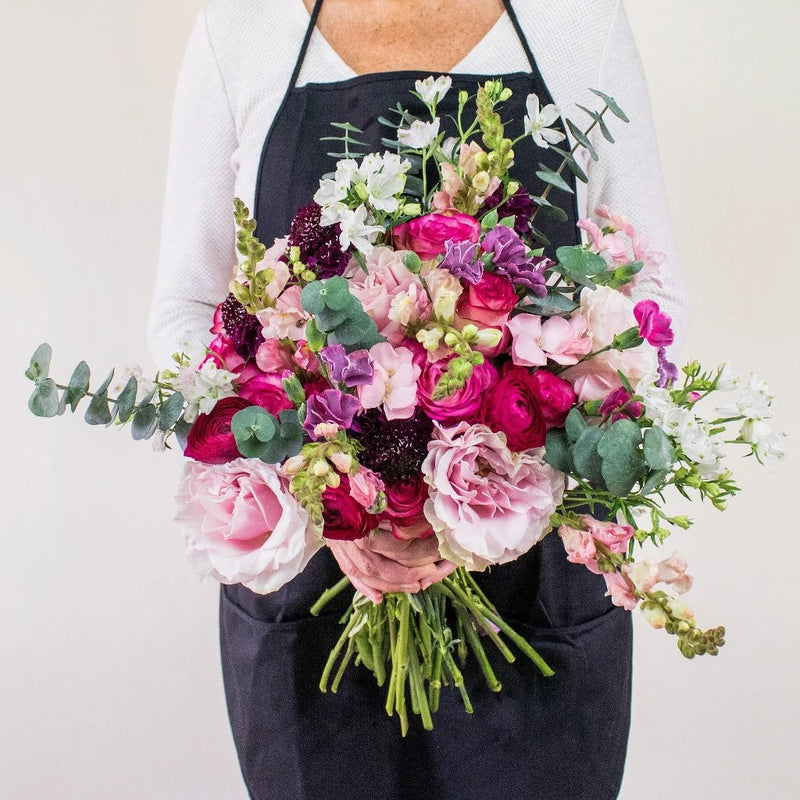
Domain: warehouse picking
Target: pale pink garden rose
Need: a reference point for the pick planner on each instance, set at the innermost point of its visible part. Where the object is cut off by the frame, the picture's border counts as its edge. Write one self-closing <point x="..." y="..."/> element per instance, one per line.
<point x="287" y="320"/>
<point x="242" y="525"/>
<point x="487" y="505"/>
<point x="672" y="570"/>
<point x="394" y="381"/>
<point x="608" y="313"/>
<point x="565" y="341"/>
<point x="385" y="279"/>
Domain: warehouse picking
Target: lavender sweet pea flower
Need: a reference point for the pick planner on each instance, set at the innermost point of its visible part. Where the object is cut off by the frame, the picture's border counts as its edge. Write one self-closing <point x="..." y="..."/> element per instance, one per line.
<point x="510" y="257"/>
<point x="667" y="371"/>
<point x="355" y="369"/>
<point x="331" y="407"/>
<point x="460" y="259"/>
<point x="530" y="274"/>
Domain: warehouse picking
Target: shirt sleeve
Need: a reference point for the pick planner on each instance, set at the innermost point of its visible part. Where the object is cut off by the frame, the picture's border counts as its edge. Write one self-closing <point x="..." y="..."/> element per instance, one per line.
<point x="198" y="245"/>
<point x="628" y="177"/>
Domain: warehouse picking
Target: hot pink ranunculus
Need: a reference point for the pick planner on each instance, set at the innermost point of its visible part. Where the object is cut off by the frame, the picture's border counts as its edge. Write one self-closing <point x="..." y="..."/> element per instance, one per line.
<point x="224" y="354"/>
<point x="554" y="395"/>
<point x="427" y="235"/>
<point x="487" y="505"/>
<point x="488" y="302"/>
<point x="263" y="389"/>
<point x="465" y="403"/>
<point x="242" y="525"/>
<point x="405" y="501"/>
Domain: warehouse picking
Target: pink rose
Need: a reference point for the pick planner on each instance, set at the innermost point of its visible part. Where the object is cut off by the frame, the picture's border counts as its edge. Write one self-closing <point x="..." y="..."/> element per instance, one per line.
<point x="511" y="406"/>
<point x="344" y="517"/>
<point x="262" y="389"/>
<point x="554" y="396"/>
<point x="489" y="302"/>
<point x="210" y="439"/>
<point x="242" y="525"/>
<point x="427" y="235"/>
<point x="405" y="501"/>
<point x="465" y="403"/>
<point x="487" y="505"/>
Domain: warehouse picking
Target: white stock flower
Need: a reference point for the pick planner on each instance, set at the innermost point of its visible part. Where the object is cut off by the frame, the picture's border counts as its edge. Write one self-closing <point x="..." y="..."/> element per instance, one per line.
<point x="356" y="231"/>
<point x="420" y="135"/>
<point x="754" y="402"/>
<point x="330" y="192"/>
<point x="538" y="122"/>
<point x="202" y="386"/>
<point x="729" y="378"/>
<point x="657" y="401"/>
<point x="767" y="444"/>
<point x="333" y="213"/>
<point x="432" y="90"/>
<point x="382" y="190"/>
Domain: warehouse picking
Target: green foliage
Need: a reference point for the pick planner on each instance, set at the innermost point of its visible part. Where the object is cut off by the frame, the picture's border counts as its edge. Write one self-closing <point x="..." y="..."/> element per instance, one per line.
<point x="554" y="303"/>
<point x="612" y="105"/>
<point x="44" y="400"/>
<point x="170" y="412"/>
<point x="261" y="435"/>
<point x="580" y="265"/>
<point x="553" y="178"/>
<point x="39" y="367"/>
<point x="557" y="450"/>
<point x="622" y="462"/>
<point x="659" y="454"/>
<point x="145" y="421"/>
<point x="127" y="399"/>
<point x="78" y="385"/>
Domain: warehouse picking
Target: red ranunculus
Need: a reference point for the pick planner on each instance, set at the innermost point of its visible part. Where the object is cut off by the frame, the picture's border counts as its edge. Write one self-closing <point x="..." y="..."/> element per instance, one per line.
<point x="512" y="406"/>
<point x="489" y="302"/>
<point x="404" y="503"/>
<point x="427" y="235"/>
<point x="555" y="397"/>
<point x="210" y="439"/>
<point x="344" y="517"/>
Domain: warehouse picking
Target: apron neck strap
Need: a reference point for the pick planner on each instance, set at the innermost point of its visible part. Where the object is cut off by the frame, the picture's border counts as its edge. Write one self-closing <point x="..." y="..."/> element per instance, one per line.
<point x="512" y="15"/>
<point x="312" y="23"/>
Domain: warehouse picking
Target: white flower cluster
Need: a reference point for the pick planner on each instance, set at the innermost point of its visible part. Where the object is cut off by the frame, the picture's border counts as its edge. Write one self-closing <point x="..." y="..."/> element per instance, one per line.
<point x="432" y="90"/>
<point x="121" y="377"/>
<point x="378" y="180"/>
<point x="419" y="134"/>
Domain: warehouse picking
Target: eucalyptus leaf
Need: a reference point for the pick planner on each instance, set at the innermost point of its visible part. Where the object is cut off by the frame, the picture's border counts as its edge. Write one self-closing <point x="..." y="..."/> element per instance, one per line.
<point x="598" y="118"/>
<point x="554" y="303"/>
<point x="144" y="422"/>
<point x="612" y="105"/>
<point x="105" y="384"/>
<point x="655" y="481"/>
<point x="554" y="179"/>
<point x="182" y="428"/>
<point x="659" y="454"/>
<point x="583" y="139"/>
<point x="585" y="456"/>
<point x="623" y="464"/>
<point x="557" y="450"/>
<point x="346" y="126"/>
<point x="127" y="399"/>
<point x="62" y="403"/>
<point x="170" y="412"/>
<point x="574" y="425"/>
<point x="78" y="385"/>
<point x="98" y="412"/>
<point x="44" y="402"/>
<point x="489" y="220"/>
<point x="40" y="362"/>
<point x="547" y="209"/>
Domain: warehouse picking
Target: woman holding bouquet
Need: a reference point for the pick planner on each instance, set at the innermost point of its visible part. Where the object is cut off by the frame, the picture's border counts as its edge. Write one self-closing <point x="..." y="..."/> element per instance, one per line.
<point x="260" y="85"/>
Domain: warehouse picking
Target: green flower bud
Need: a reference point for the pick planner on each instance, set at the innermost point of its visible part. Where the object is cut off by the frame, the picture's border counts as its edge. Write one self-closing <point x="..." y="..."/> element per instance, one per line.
<point x="361" y="191"/>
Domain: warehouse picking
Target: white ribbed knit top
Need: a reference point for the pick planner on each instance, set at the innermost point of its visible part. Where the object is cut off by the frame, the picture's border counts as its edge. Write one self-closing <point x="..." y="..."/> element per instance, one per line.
<point x="239" y="59"/>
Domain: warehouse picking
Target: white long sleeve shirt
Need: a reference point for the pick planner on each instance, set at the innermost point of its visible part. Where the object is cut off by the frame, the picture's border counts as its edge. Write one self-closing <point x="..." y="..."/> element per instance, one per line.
<point x="238" y="63"/>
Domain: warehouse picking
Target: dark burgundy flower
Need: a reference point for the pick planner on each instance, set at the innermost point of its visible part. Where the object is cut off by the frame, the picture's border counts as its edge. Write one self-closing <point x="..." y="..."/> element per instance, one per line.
<point x="242" y="328"/>
<point x="210" y="439"/>
<point x="319" y="244"/>
<point x="519" y="205"/>
<point x="345" y="518"/>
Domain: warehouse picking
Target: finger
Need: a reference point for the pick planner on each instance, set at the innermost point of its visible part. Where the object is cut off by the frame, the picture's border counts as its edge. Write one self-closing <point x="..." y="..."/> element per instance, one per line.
<point x="367" y="591"/>
<point x="443" y="569"/>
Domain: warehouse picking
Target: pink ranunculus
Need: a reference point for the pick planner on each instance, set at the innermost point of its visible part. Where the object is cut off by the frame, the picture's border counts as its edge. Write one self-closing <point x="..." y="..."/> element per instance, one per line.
<point x="554" y="396"/>
<point x="608" y="313"/>
<point x="365" y="486"/>
<point x="223" y="353"/>
<point x="386" y="278"/>
<point x="272" y="356"/>
<point x="511" y="406"/>
<point x="579" y="545"/>
<point x="344" y="517"/>
<point x="210" y="439"/>
<point x="465" y="403"/>
<point x="488" y="302"/>
<point x="487" y="505"/>
<point x="672" y="570"/>
<point x="263" y="389"/>
<point x="620" y="590"/>
<point x="287" y="320"/>
<point x="613" y="535"/>
<point x="394" y="381"/>
<point x="427" y="235"/>
<point x="243" y="526"/>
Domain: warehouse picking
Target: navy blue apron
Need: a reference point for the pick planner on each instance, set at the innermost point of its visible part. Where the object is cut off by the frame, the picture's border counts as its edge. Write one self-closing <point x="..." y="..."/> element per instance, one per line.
<point x="559" y="738"/>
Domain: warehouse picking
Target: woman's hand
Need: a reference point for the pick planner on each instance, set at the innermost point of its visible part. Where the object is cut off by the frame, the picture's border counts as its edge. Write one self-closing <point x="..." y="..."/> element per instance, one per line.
<point x="379" y="564"/>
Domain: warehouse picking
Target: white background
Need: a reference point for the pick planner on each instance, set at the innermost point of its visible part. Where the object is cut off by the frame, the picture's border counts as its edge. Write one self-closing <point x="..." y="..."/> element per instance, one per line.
<point x="109" y="677"/>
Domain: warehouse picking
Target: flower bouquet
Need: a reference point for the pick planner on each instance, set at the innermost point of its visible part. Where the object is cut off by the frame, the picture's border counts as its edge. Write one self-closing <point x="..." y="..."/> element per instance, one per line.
<point x="411" y="359"/>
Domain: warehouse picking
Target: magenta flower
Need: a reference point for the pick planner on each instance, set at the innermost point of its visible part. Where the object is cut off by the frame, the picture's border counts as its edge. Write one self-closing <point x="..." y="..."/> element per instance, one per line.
<point x="618" y="405"/>
<point x="654" y="326"/>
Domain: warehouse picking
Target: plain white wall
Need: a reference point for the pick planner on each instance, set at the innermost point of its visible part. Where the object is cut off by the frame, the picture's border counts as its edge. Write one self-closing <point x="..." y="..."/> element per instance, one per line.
<point x="109" y="676"/>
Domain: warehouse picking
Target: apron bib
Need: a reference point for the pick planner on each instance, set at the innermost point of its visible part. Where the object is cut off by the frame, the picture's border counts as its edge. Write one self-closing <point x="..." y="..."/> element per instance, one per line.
<point x="559" y="738"/>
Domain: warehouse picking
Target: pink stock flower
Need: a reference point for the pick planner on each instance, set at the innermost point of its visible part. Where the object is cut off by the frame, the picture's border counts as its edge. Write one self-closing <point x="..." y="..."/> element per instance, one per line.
<point x="394" y="381"/>
<point x="427" y="235"/>
<point x="611" y="534"/>
<point x="672" y="570"/>
<point x="287" y="320"/>
<point x="242" y="525"/>
<point x="487" y="505"/>
<point x="654" y="326"/>
<point x="620" y="590"/>
<point x="564" y="341"/>
<point x="272" y="356"/>
<point x="618" y="222"/>
<point x="465" y="403"/>
<point x="579" y="545"/>
<point x="488" y="302"/>
<point x="615" y="246"/>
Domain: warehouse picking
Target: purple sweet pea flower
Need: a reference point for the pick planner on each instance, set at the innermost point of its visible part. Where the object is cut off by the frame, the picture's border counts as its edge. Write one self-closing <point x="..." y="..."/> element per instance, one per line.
<point x="667" y="371"/>
<point x="654" y="325"/>
<point x="530" y="274"/>
<point x="355" y="369"/>
<point x="331" y="407"/>
<point x="510" y="257"/>
<point x="460" y="259"/>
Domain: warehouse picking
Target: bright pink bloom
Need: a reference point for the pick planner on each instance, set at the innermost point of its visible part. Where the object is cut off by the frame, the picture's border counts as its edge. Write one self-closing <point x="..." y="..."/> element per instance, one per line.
<point x="427" y="235"/>
<point x="262" y="389"/>
<point x="465" y="403"/>
<point x="618" y="405"/>
<point x="554" y="396"/>
<point x="488" y="302"/>
<point x="210" y="439"/>
<point x="344" y="517"/>
<point x="564" y="341"/>
<point x="487" y="505"/>
<point x="511" y="406"/>
<point x="223" y="353"/>
<point x="242" y="525"/>
<point x="654" y="326"/>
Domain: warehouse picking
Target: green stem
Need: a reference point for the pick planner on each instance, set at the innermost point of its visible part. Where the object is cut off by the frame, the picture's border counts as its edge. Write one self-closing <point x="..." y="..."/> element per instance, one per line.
<point x="328" y="595"/>
<point x="323" y="682"/>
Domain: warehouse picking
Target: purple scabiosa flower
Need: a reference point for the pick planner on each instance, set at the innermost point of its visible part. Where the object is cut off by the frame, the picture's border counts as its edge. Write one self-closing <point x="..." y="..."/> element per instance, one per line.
<point x="319" y="244"/>
<point x="242" y="328"/>
<point x="667" y="371"/>
<point x="355" y="369"/>
<point x="460" y="259"/>
<point x="519" y="205"/>
<point x="329" y="409"/>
